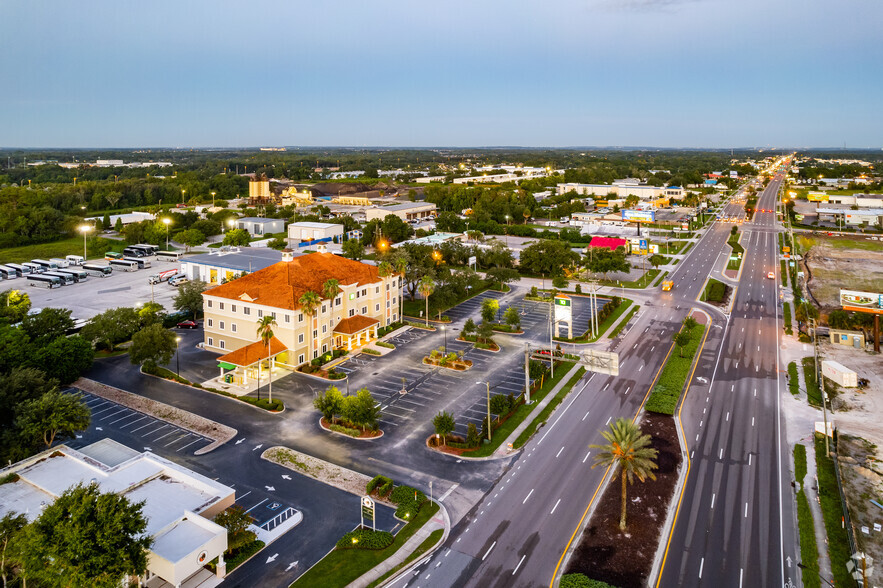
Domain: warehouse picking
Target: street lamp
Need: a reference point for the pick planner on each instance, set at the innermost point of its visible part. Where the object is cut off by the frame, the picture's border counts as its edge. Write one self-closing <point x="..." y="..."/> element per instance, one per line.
<point x="213" y="199"/>
<point x="85" y="229"/>
<point x="446" y="338"/>
<point x="231" y="223"/>
<point x="177" y="357"/>
<point x="167" y="221"/>
<point x="182" y="196"/>
<point x="488" y="409"/>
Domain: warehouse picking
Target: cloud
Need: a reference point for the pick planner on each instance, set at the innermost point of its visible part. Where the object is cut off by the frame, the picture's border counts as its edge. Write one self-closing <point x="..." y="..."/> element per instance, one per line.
<point x="642" y="5"/>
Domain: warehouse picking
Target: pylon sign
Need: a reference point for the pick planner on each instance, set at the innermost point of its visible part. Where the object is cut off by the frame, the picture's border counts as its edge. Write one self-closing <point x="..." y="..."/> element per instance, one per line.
<point x="368" y="510"/>
<point x="563" y="314"/>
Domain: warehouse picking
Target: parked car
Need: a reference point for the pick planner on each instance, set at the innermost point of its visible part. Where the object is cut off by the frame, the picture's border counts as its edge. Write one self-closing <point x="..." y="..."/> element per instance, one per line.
<point x="187" y="325"/>
<point x="178" y="280"/>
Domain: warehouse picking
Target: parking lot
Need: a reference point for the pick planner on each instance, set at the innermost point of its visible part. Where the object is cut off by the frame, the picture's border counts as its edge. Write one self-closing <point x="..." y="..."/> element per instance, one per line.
<point x="95" y="295"/>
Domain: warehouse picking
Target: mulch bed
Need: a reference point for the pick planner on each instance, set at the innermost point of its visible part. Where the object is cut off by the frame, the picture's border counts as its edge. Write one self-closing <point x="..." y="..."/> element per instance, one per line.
<point x="625" y="559"/>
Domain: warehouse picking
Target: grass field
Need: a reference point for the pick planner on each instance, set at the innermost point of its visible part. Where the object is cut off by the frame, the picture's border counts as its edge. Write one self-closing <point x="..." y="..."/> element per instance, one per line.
<point x="73" y="246"/>
<point x="807" y="241"/>
<point x="813" y="392"/>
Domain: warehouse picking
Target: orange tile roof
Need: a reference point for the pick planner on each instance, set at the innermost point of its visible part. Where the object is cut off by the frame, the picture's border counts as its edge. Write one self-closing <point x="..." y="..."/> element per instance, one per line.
<point x="354" y="324"/>
<point x="253" y="352"/>
<point x="282" y="284"/>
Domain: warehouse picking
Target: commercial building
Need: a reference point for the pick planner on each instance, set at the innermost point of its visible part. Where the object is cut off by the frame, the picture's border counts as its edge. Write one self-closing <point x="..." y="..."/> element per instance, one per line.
<point x="860" y="200"/>
<point x="228" y="263"/>
<point x="125" y="219"/>
<point x="179" y="504"/>
<point x="610" y="243"/>
<point x="366" y="302"/>
<point x="867" y="217"/>
<point x="307" y="233"/>
<point x="623" y="189"/>
<point x="407" y="212"/>
<point x="258" y="226"/>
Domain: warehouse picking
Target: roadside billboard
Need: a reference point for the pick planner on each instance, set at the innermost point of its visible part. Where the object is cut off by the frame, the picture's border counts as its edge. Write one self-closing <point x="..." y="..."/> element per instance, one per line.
<point x="861" y="301"/>
<point x="640" y="216"/>
<point x="817" y="197"/>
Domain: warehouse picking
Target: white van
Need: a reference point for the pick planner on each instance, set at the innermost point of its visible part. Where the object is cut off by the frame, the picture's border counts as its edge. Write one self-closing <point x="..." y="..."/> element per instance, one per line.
<point x="75" y="260"/>
<point x="61" y="263"/>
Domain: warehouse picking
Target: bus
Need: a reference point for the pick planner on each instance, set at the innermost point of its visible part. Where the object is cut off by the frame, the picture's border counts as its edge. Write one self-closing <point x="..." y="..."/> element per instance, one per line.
<point x="66" y="279"/>
<point x="8" y="273"/>
<point x="97" y="270"/>
<point x="169" y="256"/>
<point x="78" y="274"/>
<point x="44" y="281"/>
<point x="35" y="268"/>
<point x="133" y="251"/>
<point x="112" y="255"/>
<point x="142" y="263"/>
<point x="75" y="260"/>
<point x="46" y="265"/>
<point x="23" y="270"/>
<point x="151" y="249"/>
<point x="124" y="265"/>
<point x="61" y="263"/>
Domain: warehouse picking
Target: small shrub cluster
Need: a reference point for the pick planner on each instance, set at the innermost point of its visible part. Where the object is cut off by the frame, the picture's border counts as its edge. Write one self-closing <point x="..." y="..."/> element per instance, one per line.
<point x="345" y="430"/>
<point x="371" y="351"/>
<point x="381" y="484"/>
<point x="408" y="501"/>
<point x="328" y="356"/>
<point x="365" y="539"/>
<point x="793" y="382"/>
<point x="582" y="581"/>
<point x="384" y="344"/>
<point x="715" y="291"/>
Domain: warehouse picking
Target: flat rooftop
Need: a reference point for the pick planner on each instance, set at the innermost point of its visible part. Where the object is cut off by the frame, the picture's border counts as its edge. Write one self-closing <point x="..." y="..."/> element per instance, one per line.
<point x="249" y="259"/>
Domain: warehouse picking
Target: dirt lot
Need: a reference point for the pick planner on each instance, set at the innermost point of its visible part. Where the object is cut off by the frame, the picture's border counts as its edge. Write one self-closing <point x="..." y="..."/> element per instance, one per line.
<point x="862" y="474"/>
<point x="624" y="559"/>
<point x="841" y="262"/>
<point x="857" y="412"/>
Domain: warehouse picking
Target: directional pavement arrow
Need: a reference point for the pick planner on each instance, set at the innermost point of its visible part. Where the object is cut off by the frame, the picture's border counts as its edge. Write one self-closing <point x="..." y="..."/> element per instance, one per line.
<point x="272" y="558"/>
<point x="147" y="449"/>
<point x="286" y="477"/>
<point x="788" y="559"/>
<point x="240" y="441"/>
<point x="258" y="447"/>
<point x="270" y="488"/>
<point x="79" y="436"/>
<point x="291" y="565"/>
<point x="98" y="429"/>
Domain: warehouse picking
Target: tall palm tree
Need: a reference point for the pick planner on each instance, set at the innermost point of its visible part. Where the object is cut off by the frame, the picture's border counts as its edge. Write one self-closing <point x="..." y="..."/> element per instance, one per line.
<point x="426" y="287"/>
<point x="309" y="304"/>
<point x="401" y="265"/>
<point x="629" y="450"/>
<point x="265" y="332"/>
<point x="331" y="290"/>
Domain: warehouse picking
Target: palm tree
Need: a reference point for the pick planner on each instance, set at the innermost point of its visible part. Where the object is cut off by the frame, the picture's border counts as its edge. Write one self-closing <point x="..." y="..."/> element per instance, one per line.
<point x="426" y="287"/>
<point x="265" y="332"/>
<point x="690" y="324"/>
<point x="629" y="450"/>
<point x="331" y="290"/>
<point x="309" y="303"/>
<point x="401" y="265"/>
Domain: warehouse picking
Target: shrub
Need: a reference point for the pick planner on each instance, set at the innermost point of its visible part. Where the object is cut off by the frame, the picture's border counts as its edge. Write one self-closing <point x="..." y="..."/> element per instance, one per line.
<point x="371" y="351"/>
<point x="403" y="494"/>
<point x="345" y="430"/>
<point x="366" y="539"/>
<point x="578" y="289"/>
<point x="386" y="488"/>
<point x="581" y="581"/>
<point x="374" y="483"/>
<point x="472" y="438"/>
<point x="336" y="375"/>
<point x="384" y="344"/>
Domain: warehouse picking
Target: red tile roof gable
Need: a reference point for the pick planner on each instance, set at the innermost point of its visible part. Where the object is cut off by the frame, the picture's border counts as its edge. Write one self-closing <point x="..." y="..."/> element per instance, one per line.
<point x="281" y="285"/>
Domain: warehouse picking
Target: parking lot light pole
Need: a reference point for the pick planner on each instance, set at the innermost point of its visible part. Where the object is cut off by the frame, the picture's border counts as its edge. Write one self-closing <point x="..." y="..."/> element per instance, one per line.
<point x="177" y="357"/>
<point x="488" y="383"/>
<point x="167" y="221"/>
<point x="85" y="229"/>
<point x="446" y="337"/>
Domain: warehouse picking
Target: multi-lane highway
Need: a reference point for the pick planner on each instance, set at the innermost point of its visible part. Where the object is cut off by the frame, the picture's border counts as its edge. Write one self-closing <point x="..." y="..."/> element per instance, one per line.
<point x="517" y="534"/>
<point x="735" y="524"/>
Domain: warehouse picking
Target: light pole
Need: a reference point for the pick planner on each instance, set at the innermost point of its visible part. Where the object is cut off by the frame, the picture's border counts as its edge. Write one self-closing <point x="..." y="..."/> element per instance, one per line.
<point x="85" y="230"/>
<point x="488" y="409"/>
<point x="167" y="221"/>
<point x="177" y="357"/>
<point x="231" y="223"/>
<point x="182" y="196"/>
<point x="213" y="199"/>
<point x="446" y="338"/>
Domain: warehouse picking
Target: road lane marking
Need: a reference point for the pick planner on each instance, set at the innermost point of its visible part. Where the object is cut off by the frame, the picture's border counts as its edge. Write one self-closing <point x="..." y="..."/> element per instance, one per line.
<point x="728" y="416"/>
<point x="608" y="421"/>
<point x="701" y="564"/>
<point x="528" y="496"/>
<point x="487" y="552"/>
<point x="559" y="451"/>
<point x="556" y="506"/>
<point x="749" y="459"/>
<point x="746" y="510"/>
<point x="587" y="456"/>
<point x="712" y="500"/>
<point x="752" y="421"/>
<point x="605" y="386"/>
<point x="257" y="505"/>
<point x="587" y="414"/>
<point x="721" y="456"/>
<point x="519" y="564"/>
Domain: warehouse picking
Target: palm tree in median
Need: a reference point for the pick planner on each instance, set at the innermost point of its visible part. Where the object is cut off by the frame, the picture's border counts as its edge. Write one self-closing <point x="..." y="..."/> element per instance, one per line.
<point x="629" y="450"/>
<point x="309" y="304"/>
<point x="426" y="287"/>
<point x="265" y="332"/>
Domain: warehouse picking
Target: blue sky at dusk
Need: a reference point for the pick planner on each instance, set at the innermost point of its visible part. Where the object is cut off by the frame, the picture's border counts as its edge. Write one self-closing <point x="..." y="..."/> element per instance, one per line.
<point x="194" y="73"/>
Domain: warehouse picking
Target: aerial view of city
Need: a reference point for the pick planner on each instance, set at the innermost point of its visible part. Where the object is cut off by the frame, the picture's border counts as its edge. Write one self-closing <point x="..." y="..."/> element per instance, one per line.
<point x="477" y="294"/>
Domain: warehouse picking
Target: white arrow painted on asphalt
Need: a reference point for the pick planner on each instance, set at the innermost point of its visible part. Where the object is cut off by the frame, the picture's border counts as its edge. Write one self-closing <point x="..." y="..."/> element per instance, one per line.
<point x="788" y="559"/>
<point x="240" y="441"/>
<point x="147" y="449"/>
<point x="98" y="429"/>
<point x="291" y="565"/>
<point x="258" y="447"/>
<point x="272" y="558"/>
<point x="286" y="477"/>
<point x="270" y="488"/>
<point x="79" y="436"/>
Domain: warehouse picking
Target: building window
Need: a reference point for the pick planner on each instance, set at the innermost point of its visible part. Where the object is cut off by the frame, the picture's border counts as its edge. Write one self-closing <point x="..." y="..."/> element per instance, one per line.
<point x="274" y="315"/>
<point x="210" y="322"/>
<point x="352" y="312"/>
<point x="338" y="301"/>
<point x="300" y="317"/>
<point x="300" y="358"/>
<point x="315" y="334"/>
<point x="260" y="313"/>
<point x="324" y="329"/>
<point x="220" y="306"/>
<point x="246" y="310"/>
<point x="377" y="290"/>
<point x="387" y="286"/>
<point x="221" y="325"/>
<point x="211" y="342"/>
<point x="324" y="348"/>
<point x="233" y="327"/>
<point x="232" y="308"/>
<point x="287" y="318"/>
<point x="323" y="309"/>
<point x="364" y="291"/>
<point x="209" y="303"/>
<point x="221" y="344"/>
<point x="300" y="338"/>
<point x="377" y="307"/>
<point x="364" y="311"/>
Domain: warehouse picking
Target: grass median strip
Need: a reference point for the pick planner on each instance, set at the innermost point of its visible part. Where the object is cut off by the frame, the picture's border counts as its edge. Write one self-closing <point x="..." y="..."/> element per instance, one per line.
<point x="667" y="391"/>
<point x="624" y="322"/>
<point x="793" y="382"/>
<point x="832" y="513"/>
<point x="343" y="566"/>
<point x="544" y="414"/>
<point x="523" y="412"/>
<point x="813" y="392"/>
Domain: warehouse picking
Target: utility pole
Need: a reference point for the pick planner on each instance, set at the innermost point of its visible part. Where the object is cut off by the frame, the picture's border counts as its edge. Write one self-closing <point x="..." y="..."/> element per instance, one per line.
<point x="551" y="342"/>
<point x="527" y="373"/>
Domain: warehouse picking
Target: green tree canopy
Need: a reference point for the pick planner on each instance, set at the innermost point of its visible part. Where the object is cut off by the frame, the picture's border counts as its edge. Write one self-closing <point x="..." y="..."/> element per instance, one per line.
<point x="47" y="324"/>
<point x="237" y="237"/>
<point x="189" y="297"/>
<point x="88" y="538"/>
<point x="330" y="403"/>
<point x="111" y="326"/>
<point x="444" y="425"/>
<point x="512" y="317"/>
<point x="353" y="249"/>
<point x="236" y="520"/>
<point x="190" y="238"/>
<point x="65" y="358"/>
<point x="152" y="346"/>
<point x="54" y="414"/>
<point x="548" y="257"/>
<point x="603" y="261"/>
<point x="14" y="305"/>
<point x="489" y="308"/>
<point x="361" y="410"/>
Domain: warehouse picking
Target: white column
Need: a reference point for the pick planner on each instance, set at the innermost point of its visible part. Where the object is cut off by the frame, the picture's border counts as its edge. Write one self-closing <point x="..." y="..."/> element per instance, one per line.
<point x="221" y="570"/>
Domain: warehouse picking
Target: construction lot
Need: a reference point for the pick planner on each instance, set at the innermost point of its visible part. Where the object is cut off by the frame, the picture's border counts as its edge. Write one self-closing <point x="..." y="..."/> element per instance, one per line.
<point x="851" y="263"/>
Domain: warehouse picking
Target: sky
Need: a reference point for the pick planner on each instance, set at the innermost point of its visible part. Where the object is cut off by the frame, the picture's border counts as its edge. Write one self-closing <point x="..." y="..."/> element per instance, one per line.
<point x="459" y="73"/>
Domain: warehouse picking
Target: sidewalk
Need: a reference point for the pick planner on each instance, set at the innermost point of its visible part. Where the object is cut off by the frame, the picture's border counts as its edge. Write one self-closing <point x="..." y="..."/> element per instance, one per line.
<point x="503" y="450"/>
<point x="812" y="493"/>
<point x="441" y="521"/>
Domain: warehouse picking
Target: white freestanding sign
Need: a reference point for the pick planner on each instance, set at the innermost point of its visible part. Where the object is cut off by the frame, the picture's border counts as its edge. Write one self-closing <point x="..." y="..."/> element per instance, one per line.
<point x="563" y="314"/>
<point x="368" y="511"/>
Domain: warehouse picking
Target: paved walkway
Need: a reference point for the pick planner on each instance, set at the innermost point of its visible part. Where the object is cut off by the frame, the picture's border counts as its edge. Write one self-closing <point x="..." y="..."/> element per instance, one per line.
<point x="503" y="450"/>
<point x="440" y="521"/>
<point x="812" y="493"/>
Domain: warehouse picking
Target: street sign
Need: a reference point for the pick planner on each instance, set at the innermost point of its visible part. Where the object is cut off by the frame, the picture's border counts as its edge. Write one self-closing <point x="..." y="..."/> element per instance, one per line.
<point x="601" y="362"/>
<point x="368" y="511"/>
<point x="472" y="260"/>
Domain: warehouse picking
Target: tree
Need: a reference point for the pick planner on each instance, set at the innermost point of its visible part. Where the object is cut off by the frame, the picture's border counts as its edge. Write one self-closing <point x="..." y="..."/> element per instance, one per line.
<point x="237" y="237"/>
<point x="309" y="303"/>
<point x="19" y="386"/>
<point x="656" y="260"/>
<point x="152" y="346"/>
<point x="65" y="358"/>
<point x="548" y="256"/>
<point x="805" y="311"/>
<point x="265" y="332"/>
<point x="484" y="332"/>
<point x="190" y="238"/>
<point x="604" y="261"/>
<point x="118" y="225"/>
<point x="444" y="425"/>
<point x="14" y="305"/>
<point x="839" y="319"/>
<point x="207" y="227"/>
<point x="681" y="339"/>
<point x="427" y="287"/>
<point x="236" y="520"/>
<point x="189" y="297"/>
<point x="500" y="405"/>
<point x="14" y="348"/>
<point x="512" y="318"/>
<point x="469" y="327"/>
<point x="105" y="221"/>
<point x="151" y="313"/>
<point x="111" y="326"/>
<point x="361" y="410"/>
<point x="489" y="308"/>
<point x="400" y="263"/>
<point x="631" y="201"/>
<point x="10" y="531"/>
<point x="330" y="403"/>
<point x="630" y="451"/>
<point x="331" y="289"/>
<point x="88" y="539"/>
<point x="51" y="415"/>
<point x="559" y="282"/>
<point x="502" y="275"/>
<point x="353" y="249"/>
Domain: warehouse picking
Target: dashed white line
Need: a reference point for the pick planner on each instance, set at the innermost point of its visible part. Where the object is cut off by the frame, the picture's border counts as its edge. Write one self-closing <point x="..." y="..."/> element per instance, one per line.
<point x="528" y="496"/>
<point x="608" y="421"/>
<point x="721" y="456"/>
<point x="556" y="506"/>
<point x="587" y="456"/>
<point x="487" y="552"/>
<point x="559" y="451"/>
<point x="519" y="564"/>
<point x="712" y="500"/>
<point x="587" y="414"/>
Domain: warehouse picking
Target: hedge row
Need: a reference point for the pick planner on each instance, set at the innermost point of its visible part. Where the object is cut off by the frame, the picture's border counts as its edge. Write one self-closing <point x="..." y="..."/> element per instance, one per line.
<point x="582" y="581"/>
<point x="345" y="430"/>
<point x="408" y="501"/>
<point x="793" y="382"/>
<point x="382" y="484"/>
<point x="668" y="388"/>
<point x="365" y="539"/>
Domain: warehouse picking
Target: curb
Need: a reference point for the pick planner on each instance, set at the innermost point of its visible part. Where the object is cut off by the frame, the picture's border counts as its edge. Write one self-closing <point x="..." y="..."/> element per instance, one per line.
<point x="324" y="428"/>
<point x="417" y="562"/>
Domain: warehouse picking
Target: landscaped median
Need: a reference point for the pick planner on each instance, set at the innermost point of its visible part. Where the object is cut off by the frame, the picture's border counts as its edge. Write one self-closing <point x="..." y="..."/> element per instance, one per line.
<point x="670" y="384"/>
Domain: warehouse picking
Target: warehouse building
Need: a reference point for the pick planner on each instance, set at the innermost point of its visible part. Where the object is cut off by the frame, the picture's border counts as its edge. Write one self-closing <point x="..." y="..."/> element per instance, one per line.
<point x="408" y="211"/>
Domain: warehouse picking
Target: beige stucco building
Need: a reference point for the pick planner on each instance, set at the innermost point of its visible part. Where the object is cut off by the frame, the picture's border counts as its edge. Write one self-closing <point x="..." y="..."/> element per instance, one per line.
<point x="366" y="302"/>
